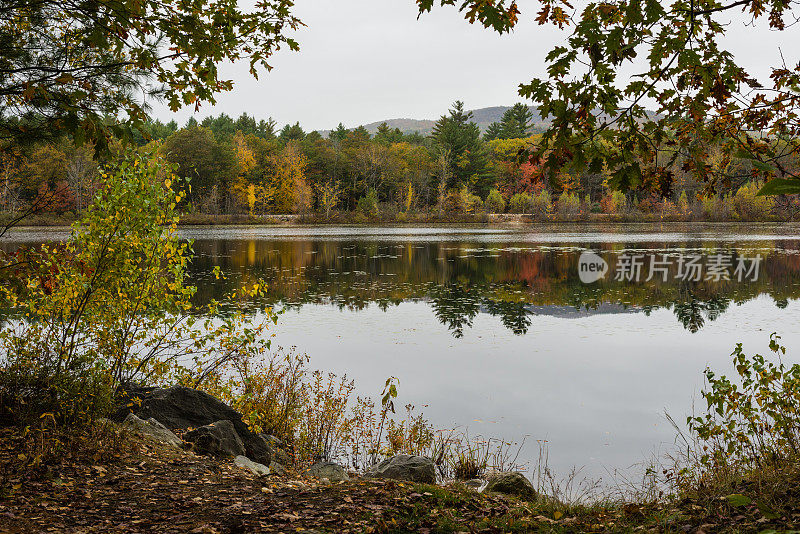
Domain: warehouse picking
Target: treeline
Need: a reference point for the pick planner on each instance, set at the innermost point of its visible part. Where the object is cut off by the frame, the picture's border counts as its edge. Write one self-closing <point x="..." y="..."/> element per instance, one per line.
<point x="245" y="166"/>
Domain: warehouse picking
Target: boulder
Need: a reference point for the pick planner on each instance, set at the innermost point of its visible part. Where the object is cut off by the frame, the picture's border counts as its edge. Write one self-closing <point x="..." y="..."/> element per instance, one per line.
<point x="180" y="408"/>
<point x="333" y="472"/>
<point x="405" y="467"/>
<point x="256" y="468"/>
<point x="513" y="483"/>
<point x="152" y="428"/>
<point x="217" y="439"/>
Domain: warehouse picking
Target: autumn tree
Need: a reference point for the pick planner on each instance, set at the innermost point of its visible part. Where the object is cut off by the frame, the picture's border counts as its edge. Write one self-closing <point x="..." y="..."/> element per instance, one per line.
<point x="672" y="54"/>
<point x="243" y="188"/>
<point x="328" y="195"/>
<point x="67" y="65"/>
<point x="81" y="176"/>
<point x="11" y="164"/>
<point x="414" y="181"/>
<point x="206" y="165"/>
<point x="288" y="189"/>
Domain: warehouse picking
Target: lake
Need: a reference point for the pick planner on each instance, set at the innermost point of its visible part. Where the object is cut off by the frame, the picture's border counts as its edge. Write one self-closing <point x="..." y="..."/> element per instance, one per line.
<point x="494" y="329"/>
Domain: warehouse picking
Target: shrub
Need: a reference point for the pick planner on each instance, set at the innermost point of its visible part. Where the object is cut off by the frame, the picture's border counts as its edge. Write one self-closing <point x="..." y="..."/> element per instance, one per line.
<point x="111" y="306"/>
<point x="542" y="204"/>
<point x="718" y="207"/>
<point x="613" y="202"/>
<point x="754" y="421"/>
<point x="269" y="392"/>
<point x="667" y="209"/>
<point x="413" y="435"/>
<point x="87" y="304"/>
<point x="684" y="208"/>
<point x="462" y="201"/>
<point x="324" y="425"/>
<point x="751" y="207"/>
<point x="520" y="203"/>
<point x="455" y="201"/>
<point x="495" y="202"/>
<point x="35" y="385"/>
<point x="473" y="202"/>
<point x="368" y="204"/>
<point x="569" y="204"/>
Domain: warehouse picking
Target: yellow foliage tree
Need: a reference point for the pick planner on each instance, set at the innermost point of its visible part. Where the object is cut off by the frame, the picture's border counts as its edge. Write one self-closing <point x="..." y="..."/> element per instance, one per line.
<point x="243" y="190"/>
<point x="288" y="191"/>
<point x="328" y="195"/>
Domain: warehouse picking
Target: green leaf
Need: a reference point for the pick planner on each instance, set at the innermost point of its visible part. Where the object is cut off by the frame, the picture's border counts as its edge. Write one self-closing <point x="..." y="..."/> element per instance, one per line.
<point x="737" y="499"/>
<point x="780" y="186"/>
<point x="763" y="167"/>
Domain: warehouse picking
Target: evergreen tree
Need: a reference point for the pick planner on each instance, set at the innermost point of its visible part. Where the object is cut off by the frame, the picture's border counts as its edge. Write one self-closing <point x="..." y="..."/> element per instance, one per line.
<point x="415" y="138"/>
<point x="339" y="134"/>
<point x="360" y="133"/>
<point x="461" y="138"/>
<point x="266" y="128"/>
<point x="292" y="133"/>
<point x="224" y="127"/>
<point x="516" y="122"/>
<point x="248" y="126"/>
<point x="386" y="135"/>
<point x="494" y="131"/>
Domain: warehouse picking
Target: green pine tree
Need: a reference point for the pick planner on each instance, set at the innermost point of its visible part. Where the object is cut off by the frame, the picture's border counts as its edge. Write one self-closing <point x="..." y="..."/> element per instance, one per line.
<point x="516" y="122"/>
<point x="469" y="158"/>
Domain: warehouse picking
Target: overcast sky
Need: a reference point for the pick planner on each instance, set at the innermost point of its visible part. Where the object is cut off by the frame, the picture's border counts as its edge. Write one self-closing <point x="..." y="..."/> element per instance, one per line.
<point x="366" y="60"/>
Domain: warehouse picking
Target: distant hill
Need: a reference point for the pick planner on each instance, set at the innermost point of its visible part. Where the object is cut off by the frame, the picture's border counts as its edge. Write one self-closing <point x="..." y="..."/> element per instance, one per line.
<point x="483" y="117"/>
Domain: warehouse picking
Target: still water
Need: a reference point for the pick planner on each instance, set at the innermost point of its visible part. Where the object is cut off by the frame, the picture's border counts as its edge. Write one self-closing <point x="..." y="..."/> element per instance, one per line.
<point x="493" y="329"/>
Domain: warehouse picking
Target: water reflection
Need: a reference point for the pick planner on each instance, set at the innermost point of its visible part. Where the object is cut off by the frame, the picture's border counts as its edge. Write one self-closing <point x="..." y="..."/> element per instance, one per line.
<point x="515" y="281"/>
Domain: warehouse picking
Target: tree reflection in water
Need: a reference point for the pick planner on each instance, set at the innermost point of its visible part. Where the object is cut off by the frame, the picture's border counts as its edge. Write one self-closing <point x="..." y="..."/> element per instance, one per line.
<point x="513" y="281"/>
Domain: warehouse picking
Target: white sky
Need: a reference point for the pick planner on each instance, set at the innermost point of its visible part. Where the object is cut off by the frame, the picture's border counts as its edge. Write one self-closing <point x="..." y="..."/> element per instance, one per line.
<point x="367" y="60"/>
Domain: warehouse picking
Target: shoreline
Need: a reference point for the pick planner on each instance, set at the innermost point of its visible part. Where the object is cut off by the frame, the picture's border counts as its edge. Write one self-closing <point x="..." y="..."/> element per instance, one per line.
<point x="517" y="222"/>
<point x="501" y="220"/>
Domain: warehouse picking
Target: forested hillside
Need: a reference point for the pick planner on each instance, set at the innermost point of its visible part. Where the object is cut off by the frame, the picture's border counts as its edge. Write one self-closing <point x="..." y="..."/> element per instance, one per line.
<point x="248" y="166"/>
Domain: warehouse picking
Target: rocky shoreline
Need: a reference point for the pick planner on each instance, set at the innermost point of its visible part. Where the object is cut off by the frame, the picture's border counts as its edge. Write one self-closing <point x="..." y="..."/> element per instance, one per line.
<point x="209" y="427"/>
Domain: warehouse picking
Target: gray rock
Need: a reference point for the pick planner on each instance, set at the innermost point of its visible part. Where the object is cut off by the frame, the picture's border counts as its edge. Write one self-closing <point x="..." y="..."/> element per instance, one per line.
<point x="256" y="468"/>
<point x="333" y="472"/>
<point x="180" y="408"/>
<point x="405" y="467"/>
<point x="152" y="428"/>
<point x="513" y="483"/>
<point x="217" y="439"/>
